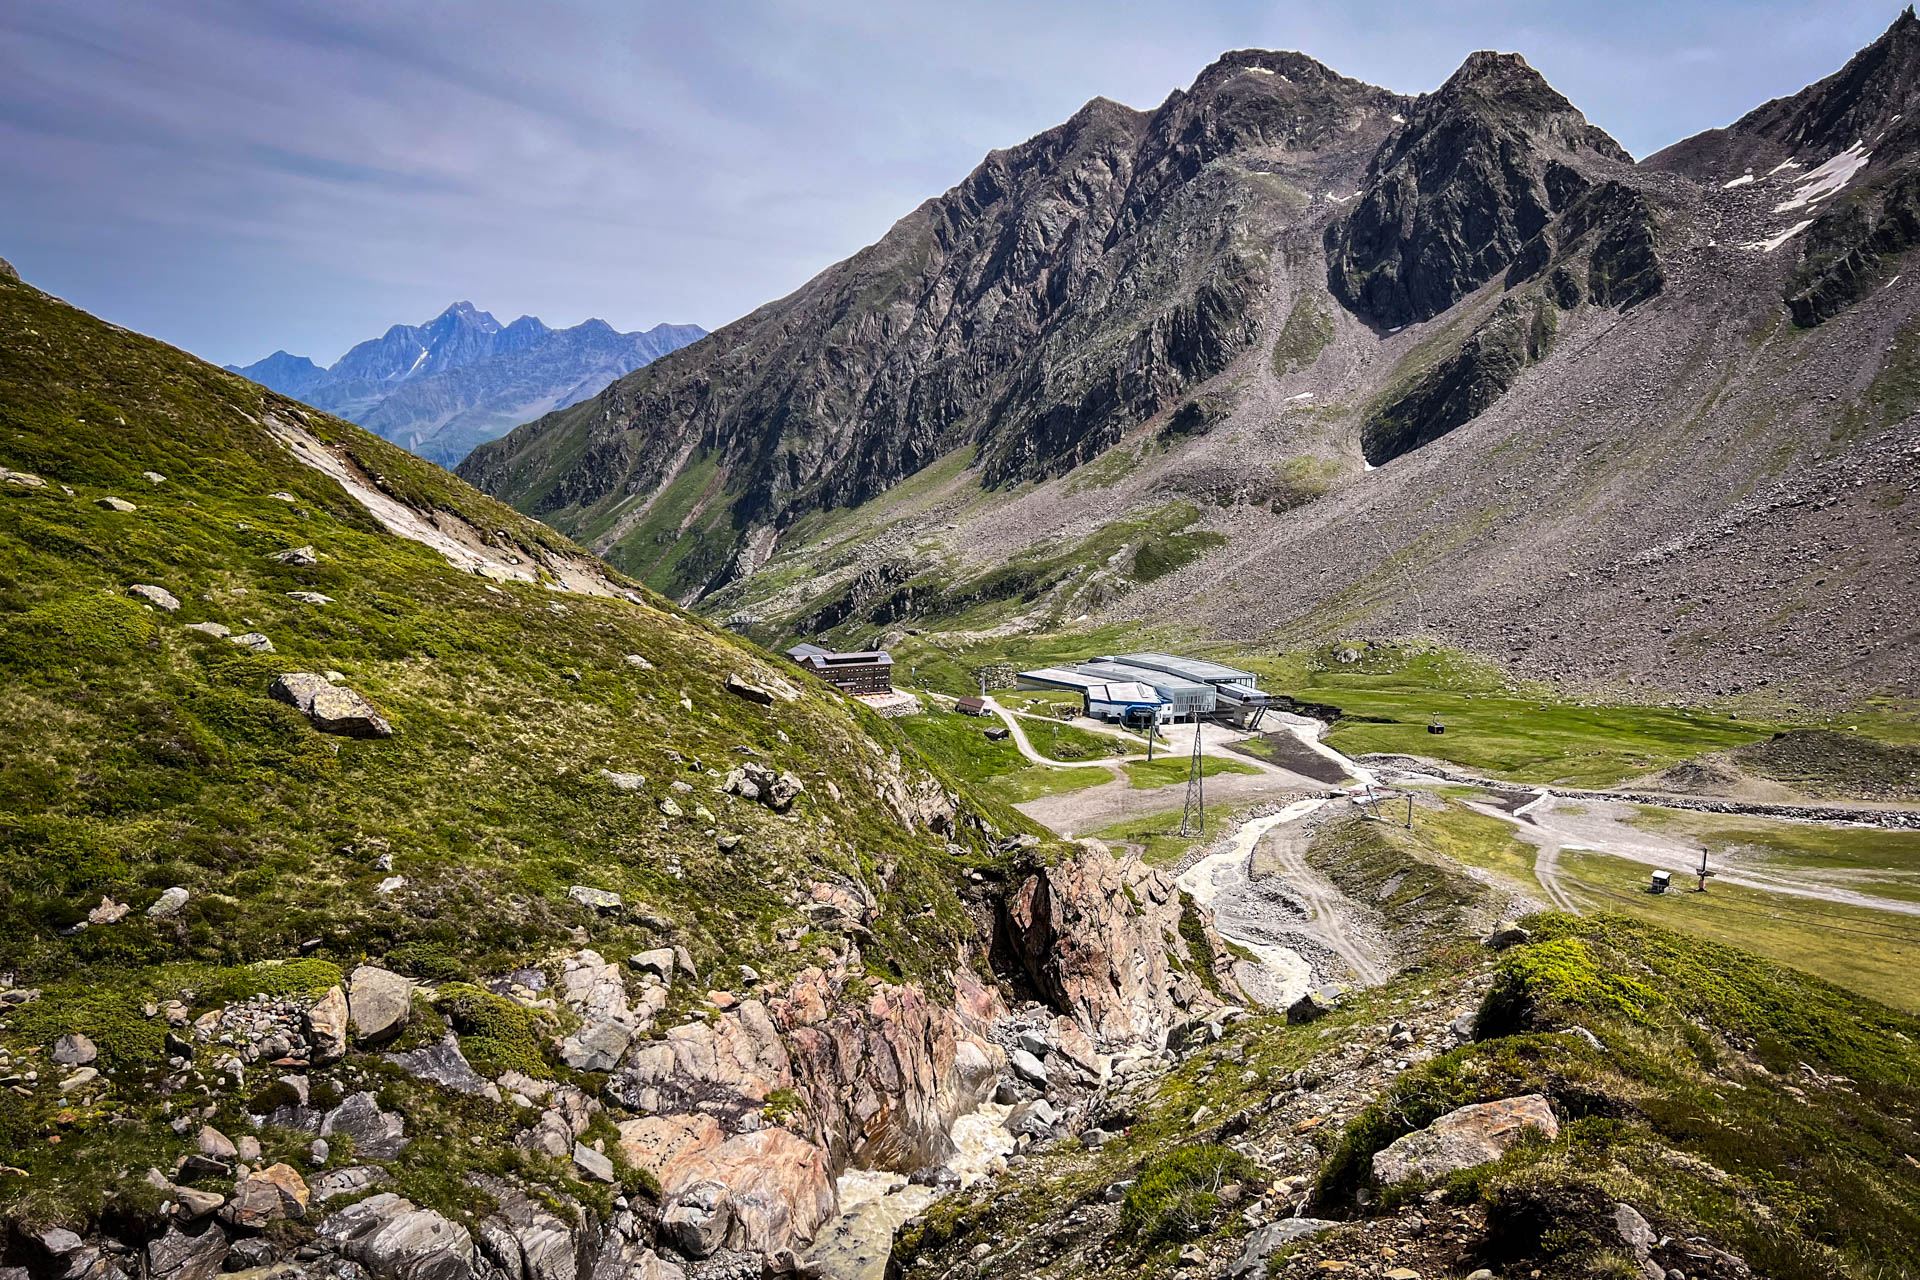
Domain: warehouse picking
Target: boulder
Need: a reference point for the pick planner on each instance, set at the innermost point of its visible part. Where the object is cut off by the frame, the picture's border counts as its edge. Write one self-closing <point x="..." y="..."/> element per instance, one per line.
<point x="272" y="1194"/>
<point x="308" y="597"/>
<point x="214" y="1143"/>
<point x="779" y="1189"/>
<point x="376" y="1134"/>
<point x="396" y="1240"/>
<point x="108" y="912"/>
<point x="658" y="961"/>
<point x="696" y="1219"/>
<point x="158" y="597"/>
<point x="1028" y="1068"/>
<point x="297" y="556"/>
<point x="329" y="707"/>
<point x="168" y="905"/>
<point x="752" y="693"/>
<point x="524" y="1238"/>
<point x="24" y="479"/>
<point x="1261" y="1245"/>
<point x="60" y="1242"/>
<point x="1464" y="1138"/>
<point x="624" y="781"/>
<point x="1508" y="934"/>
<point x="218" y="630"/>
<point x="604" y="901"/>
<point x="350" y="1181"/>
<point x="74" y="1050"/>
<point x="443" y="1064"/>
<point x="379" y="1002"/>
<point x="1034" y="1119"/>
<point x="592" y="1163"/>
<point x="327" y="1027"/>
<point x="598" y="1046"/>
<point x="187" y="1255"/>
<point x="1308" y="1008"/>
<point x="190" y="1203"/>
<point x="114" y="504"/>
<point x="253" y="641"/>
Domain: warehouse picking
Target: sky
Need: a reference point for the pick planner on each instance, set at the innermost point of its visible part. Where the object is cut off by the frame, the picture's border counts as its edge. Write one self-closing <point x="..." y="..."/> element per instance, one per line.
<point x="236" y="176"/>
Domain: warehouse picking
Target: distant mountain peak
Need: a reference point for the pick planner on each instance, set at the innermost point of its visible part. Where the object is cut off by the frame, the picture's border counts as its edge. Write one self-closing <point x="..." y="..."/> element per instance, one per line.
<point x="463" y="378"/>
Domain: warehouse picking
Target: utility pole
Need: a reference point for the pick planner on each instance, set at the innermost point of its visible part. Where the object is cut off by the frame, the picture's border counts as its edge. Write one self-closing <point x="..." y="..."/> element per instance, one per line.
<point x="1193" y="820"/>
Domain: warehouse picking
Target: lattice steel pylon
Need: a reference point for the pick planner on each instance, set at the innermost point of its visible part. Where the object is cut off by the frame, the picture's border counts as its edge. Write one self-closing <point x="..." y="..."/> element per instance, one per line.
<point x="1193" y="820"/>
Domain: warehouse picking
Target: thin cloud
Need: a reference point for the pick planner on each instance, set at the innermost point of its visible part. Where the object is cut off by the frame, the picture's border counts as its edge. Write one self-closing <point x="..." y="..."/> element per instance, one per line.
<point x="239" y="175"/>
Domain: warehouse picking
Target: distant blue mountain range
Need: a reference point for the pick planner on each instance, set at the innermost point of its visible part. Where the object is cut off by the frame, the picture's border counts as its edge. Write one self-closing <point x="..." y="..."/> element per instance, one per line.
<point x="463" y="378"/>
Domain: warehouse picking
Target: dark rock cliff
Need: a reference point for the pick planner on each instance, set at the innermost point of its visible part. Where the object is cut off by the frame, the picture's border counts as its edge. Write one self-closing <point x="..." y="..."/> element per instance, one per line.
<point x="1070" y="288"/>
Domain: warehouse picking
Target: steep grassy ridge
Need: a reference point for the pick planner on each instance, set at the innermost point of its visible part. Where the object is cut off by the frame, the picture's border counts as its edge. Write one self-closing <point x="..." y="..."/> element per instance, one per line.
<point x="143" y="755"/>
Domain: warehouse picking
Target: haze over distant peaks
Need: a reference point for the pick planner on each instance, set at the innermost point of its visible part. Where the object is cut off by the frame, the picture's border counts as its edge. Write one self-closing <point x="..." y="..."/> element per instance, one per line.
<point x="463" y="378"/>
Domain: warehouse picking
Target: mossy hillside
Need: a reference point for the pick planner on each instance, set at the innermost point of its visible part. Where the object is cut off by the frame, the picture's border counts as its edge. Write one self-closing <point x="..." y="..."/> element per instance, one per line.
<point x="142" y="755"/>
<point x="1050" y="578"/>
<point x="1749" y="1102"/>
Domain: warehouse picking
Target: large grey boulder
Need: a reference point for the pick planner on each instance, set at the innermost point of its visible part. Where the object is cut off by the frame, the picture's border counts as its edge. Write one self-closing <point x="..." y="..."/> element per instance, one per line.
<point x="158" y="597"/>
<point x="350" y="1181"/>
<point x="598" y="1046"/>
<point x="604" y="901"/>
<point x="1028" y="1067"/>
<point x="1252" y="1262"/>
<point x="168" y="904"/>
<point x="1463" y="1139"/>
<point x="443" y="1064"/>
<point x="329" y="707"/>
<point x="695" y="1221"/>
<point x="183" y="1254"/>
<point x="395" y="1239"/>
<point x="74" y="1050"/>
<point x="376" y="1134"/>
<point x="380" y="1002"/>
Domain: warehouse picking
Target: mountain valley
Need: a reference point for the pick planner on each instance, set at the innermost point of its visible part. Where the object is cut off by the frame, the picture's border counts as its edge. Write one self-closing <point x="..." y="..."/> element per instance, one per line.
<point x="409" y="874"/>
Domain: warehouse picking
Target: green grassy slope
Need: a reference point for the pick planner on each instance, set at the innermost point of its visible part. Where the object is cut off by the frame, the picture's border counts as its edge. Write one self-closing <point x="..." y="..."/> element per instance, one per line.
<point x="141" y="755"/>
<point x="1730" y="1100"/>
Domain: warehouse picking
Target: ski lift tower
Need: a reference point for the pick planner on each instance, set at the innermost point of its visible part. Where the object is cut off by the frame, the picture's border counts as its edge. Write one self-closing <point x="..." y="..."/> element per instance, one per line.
<point x="1193" y="820"/>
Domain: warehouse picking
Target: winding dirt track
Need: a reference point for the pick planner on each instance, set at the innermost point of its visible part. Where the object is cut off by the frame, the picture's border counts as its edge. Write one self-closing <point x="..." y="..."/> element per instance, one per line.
<point x="1597" y="826"/>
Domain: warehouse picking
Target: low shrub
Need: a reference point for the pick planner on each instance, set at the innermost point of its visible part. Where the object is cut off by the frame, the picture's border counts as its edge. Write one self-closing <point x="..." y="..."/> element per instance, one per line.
<point x="1177" y="1196"/>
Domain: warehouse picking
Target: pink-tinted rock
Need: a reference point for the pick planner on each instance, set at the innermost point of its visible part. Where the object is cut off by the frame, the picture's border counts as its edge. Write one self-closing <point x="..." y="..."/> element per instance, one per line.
<point x="1094" y="935"/>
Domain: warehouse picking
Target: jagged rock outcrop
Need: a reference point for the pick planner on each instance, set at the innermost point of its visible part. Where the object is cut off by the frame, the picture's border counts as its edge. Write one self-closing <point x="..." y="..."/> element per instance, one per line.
<point x="1476" y="172"/>
<point x="1091" y="934"/>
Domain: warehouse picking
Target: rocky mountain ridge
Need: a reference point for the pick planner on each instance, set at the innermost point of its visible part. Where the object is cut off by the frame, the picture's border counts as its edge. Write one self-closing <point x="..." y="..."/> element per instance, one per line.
<point x="1447" y="365"/>
<point x="440" y="388"/>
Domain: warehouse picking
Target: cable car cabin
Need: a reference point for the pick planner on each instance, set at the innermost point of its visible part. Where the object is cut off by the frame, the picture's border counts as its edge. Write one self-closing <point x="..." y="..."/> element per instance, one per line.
<point x="971" y="706"/>
<point x="1661" y="880"/>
